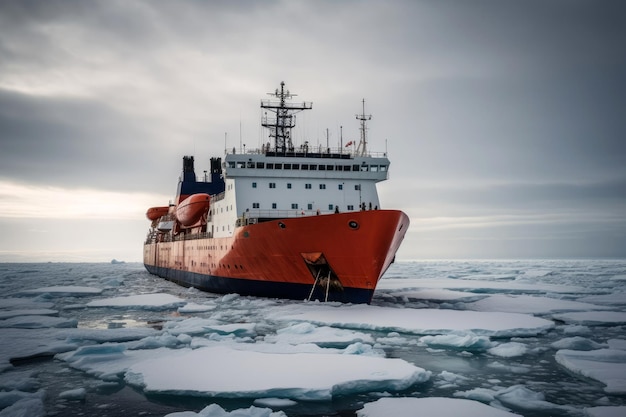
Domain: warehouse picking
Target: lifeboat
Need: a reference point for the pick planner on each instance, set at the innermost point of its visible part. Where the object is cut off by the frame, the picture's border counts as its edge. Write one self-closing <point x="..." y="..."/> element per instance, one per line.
<point x="191" y="210"/>
<point x="155" y="213"/>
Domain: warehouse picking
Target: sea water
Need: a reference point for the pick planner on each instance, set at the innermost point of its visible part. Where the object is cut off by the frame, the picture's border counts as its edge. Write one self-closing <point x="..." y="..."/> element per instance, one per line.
<point x="525" y="337"/>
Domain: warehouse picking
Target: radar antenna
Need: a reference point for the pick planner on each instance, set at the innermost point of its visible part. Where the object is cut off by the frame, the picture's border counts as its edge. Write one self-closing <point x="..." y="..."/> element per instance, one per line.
<point x="280" y="126"/>
<point x="361" y="150"/>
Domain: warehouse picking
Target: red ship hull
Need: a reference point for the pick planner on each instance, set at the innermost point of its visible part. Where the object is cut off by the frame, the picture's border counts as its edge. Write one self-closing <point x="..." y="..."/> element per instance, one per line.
<point x="334" y="257"/>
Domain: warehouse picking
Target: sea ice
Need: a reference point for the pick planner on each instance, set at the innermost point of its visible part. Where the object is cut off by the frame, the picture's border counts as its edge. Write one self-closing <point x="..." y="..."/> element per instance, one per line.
<point x="220" y="371"/>
<point x="577" y="343"/>
<point x="508" y="350"/>
<point x="593" y="318"/>
<point x="606" y="411"/>
<point x="37" y="322"/>
<point x="529" y="304"/>
<point x="466" y="340"/>
<point x="64" y="290"/>
<point x="215" y="410"/>
<point x="147" y="301"/>
<point x="416" y="321"/>
<point x="431" y="406"/>
<point x="30" y="312"/>
<point x="605" y="365"/>
<point x="323" y="336"/>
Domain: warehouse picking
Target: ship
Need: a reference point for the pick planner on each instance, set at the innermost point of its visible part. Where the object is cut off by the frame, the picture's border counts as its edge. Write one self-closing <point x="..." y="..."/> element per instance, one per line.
<point x="281" y="221"/>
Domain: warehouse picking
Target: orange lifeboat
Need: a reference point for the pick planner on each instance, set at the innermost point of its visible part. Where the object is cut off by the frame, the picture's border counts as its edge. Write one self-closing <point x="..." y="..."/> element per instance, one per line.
<point x="155" y="213"/>
<point x="191" y="210"/>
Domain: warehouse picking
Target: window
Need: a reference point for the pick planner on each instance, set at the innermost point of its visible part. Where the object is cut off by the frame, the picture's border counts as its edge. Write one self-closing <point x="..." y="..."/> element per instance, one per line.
<point x="307" y="186"/>
<point x="260" y="164"/>
<point x="355" y="167"/>
<point x="294" y="206"/>
<point x="330" y="207"/>
<point x="313" y="167"/>
<point x="287" y="166"/>
<point x="255" y="205"/>
<point x="309" y="206"/>
<point x="346" y="167"/>
<point x="278" y="166"/>
<point x="272" y="185"/>
<point x="374" y="168"/>
<point x="340" y="186"/>
<point x="350" y="207"/>
<point x="254" y="185"/>
<point x="274" y="205"/>
<point x="330" y="167"/>
<point x="363" y="168"/>
<point x="295" y="166"/>
<point x="289" y="185"/>
<point x="305" y="167"/>
<point x="322" y="167"/>
<point x="322" y="186"/>
<point x="270" y="166"/>
<point x="357" y="187"/>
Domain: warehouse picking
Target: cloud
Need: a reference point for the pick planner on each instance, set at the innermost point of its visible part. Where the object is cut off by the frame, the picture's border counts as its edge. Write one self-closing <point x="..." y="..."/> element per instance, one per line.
<point x="39" y="202"/>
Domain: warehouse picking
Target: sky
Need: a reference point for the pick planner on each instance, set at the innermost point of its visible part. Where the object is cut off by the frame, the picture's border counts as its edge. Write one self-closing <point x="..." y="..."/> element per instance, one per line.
<point x="505" y="121"/>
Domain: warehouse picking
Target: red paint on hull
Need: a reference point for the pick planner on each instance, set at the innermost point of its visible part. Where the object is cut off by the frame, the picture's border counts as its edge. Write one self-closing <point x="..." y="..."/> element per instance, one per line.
<point x="356" y="247"/>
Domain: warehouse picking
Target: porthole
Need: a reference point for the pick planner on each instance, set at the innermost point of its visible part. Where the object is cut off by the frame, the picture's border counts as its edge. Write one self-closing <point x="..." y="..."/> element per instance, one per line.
<point x="281" y="225"/>
<point x="352" y="224"/>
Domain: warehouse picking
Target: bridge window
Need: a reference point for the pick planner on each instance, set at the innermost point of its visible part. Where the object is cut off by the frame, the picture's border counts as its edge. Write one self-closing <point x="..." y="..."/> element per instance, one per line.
<point x="260" y="164"/>
<point x="383" y="168"/>
<point x="374" y="168"/>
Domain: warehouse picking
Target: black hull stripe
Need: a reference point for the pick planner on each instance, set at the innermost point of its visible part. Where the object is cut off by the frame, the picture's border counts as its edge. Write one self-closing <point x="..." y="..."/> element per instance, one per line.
<point x="224" y="285"/>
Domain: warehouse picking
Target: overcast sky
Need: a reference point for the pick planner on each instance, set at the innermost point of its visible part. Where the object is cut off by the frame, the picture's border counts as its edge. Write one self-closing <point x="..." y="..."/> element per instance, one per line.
<point x="505" y="121"/>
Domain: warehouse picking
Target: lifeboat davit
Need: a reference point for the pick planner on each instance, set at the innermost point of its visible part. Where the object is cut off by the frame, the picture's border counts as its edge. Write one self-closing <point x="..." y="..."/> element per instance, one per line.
<point x="155" y="213"/>
<point x="191" y="210"/>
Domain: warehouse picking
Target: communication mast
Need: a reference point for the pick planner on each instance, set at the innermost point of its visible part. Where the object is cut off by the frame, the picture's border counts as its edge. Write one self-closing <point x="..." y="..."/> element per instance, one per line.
<point x="361" y="150"/>
<point x="280" y="126"/>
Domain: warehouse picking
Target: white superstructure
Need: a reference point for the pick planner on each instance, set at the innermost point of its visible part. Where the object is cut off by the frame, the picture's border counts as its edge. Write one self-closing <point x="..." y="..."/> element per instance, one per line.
<point x="282" y="181"/>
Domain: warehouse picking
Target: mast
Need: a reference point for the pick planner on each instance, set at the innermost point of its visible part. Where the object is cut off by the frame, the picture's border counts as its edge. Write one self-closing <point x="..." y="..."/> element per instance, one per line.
<point x="280" y="126"/>
<point x="362" y="148"/>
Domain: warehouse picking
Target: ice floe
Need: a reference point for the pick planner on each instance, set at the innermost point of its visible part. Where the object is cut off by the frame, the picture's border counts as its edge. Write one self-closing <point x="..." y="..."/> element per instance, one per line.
<point x="432" y="406"/>
<point x="417" y="321"/>
<point x="146" y="301"/>
<point x="64" y="290"/>
<point x="221" y="371"/>
<point x="605" y="365"/>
